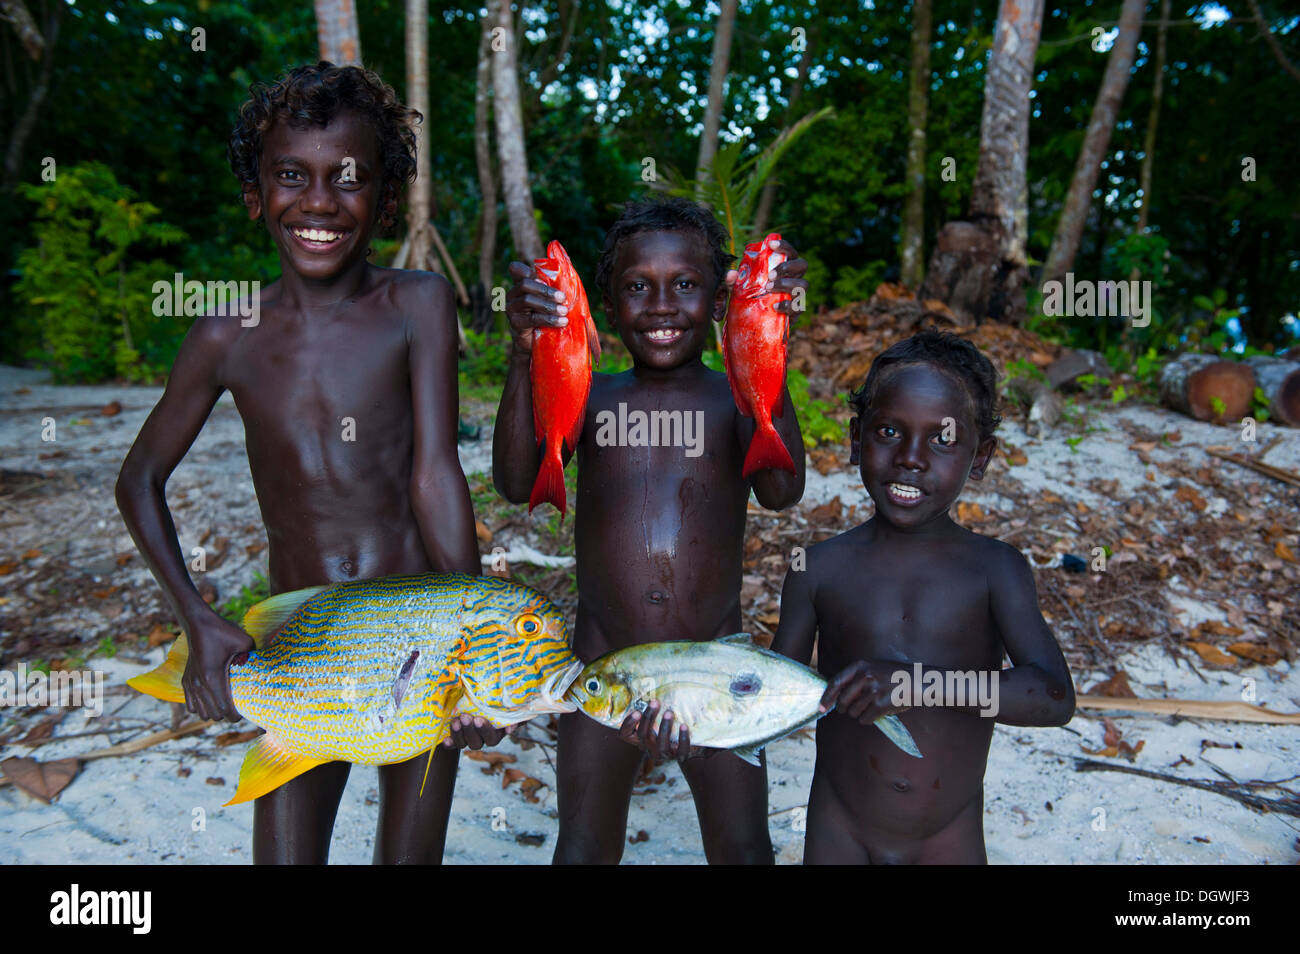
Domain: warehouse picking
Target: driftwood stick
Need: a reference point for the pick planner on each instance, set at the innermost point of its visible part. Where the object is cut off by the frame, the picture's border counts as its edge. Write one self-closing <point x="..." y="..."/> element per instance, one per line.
<point x="136" y="745"/>
<point x="1277" y="473"/>
<point x="1283" y="806"/>
<point x="1191" y="709"/>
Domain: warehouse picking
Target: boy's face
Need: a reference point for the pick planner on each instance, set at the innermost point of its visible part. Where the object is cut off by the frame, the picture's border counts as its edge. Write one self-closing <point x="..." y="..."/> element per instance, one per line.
<point x="320" y="189"/>
<point x="917" y="445"/>
<point x="663" y="297"/>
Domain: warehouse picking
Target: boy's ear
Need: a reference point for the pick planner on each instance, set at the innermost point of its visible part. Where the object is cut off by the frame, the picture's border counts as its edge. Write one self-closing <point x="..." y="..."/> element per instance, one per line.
<point x="253" y="201"/>
<point x="855" y="440"/>
<point x="983" y="454"/>
<point x="388" y="207"/>
<point x="720" y="301"/>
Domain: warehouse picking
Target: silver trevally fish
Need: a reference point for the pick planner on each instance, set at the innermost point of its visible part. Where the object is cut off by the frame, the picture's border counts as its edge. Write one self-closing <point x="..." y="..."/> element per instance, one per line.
<point x="730" y="693"/>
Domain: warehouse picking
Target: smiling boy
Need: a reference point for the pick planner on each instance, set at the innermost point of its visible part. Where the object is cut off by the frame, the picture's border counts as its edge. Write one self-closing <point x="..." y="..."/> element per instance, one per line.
<point x="658" y="529"/>
<point x="912" y="587"/>
<point x="347" y="388"/>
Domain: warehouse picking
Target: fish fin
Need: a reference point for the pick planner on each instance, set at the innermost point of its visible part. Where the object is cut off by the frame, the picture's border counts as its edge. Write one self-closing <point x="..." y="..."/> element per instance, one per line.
<point x="264" y="618"/>
<point x="267" y="766"/>
<point x="165" y="682"/>
<point x="750" y="754"/>
<point x="550" y="482"/>
<point x="740" y="639"/>
<point x="897" y="733"/>
<point x="593" y="341"/>
<point x="427" y="766"/>
<point x="741" y="404"/>
<point x="404" y="678"/>
<point x="766" y="452"/>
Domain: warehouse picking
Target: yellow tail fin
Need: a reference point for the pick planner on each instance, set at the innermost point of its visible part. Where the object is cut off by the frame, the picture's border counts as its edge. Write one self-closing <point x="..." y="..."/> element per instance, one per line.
<point x="165" y="682"/>
<point x="267" y="766"/>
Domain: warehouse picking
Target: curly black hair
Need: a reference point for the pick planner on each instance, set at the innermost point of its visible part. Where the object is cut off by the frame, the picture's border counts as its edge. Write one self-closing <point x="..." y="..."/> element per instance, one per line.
<point x="664" y="215"/>
<point x="950" y="355"/>
<point x="313" y="96"/>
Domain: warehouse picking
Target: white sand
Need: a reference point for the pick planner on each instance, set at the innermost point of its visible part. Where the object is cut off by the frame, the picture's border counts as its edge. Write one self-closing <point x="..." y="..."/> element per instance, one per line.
<point x="146" y="808"/>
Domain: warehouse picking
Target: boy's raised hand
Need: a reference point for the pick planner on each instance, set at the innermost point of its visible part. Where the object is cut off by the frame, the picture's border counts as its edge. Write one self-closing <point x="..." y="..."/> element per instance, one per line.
<point x="213" y="643"/>
<point x="862" y="691"/>
<point x="529" y="305"/>
<point x="790" y="280"/>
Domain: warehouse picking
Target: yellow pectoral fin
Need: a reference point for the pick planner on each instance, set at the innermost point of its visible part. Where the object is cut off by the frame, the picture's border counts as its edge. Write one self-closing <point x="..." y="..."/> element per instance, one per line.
<point x="264" y="618"/>
<point x="267" y="766"/>
<point x="165" y="682"/>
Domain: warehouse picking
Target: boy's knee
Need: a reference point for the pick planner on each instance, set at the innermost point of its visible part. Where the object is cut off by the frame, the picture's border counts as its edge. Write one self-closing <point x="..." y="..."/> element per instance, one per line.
<point x="737" y="848"/>
<point x="584" y="849"/>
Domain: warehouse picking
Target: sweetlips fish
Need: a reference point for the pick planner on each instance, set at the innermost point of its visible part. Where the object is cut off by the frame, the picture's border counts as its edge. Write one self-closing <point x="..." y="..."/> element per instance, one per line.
<point x="561" y="375"/>
<point x="729" y="692"/>
<point x="373" y="671"/>
<point x="754" y="352"/>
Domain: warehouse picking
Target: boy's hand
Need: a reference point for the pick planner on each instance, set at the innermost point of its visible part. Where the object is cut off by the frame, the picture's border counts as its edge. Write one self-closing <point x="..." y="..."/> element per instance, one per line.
<point x="789" y="280"/>
<point x="213" y="643"/>
<point x="862" y="691"/>
<point x="637" y="730"/>
<point x="529" y="305"/>
<point x="474" y="732"/>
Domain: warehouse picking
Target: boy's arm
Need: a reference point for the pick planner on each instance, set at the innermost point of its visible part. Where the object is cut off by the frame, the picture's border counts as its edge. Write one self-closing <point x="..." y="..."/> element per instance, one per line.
<point x="778" y="489"/>
<point x="1036" y="691"/>
<point x="192" y="389"/>
<point x="796" y="634"/>
<point x="516" y="456"/>
<point x="439" y="494"/>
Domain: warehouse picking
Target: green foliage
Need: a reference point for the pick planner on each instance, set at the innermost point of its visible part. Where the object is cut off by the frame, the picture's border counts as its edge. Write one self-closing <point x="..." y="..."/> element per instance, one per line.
<point x="86" y="293"/>
<point x="235" y="607"/>
<point x="486" y="359"/>
<point x="857" y="283"/>
<point x="815" y="422"/>
<point x="733" y="185"/>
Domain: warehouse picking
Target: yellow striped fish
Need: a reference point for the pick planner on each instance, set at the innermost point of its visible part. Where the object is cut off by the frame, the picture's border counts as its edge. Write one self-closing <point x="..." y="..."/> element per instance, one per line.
<point x="373" y="671"/>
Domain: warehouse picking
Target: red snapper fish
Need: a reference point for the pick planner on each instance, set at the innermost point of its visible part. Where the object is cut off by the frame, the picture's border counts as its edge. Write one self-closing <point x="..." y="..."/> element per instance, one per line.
<point x="754" y="351"/>
<point x="561" y="374"/>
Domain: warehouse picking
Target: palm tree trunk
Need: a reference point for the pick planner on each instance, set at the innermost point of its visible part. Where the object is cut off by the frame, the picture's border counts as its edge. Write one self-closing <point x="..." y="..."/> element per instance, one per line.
<point x="1153" y="121"/>
<point x="918" y="101"/>
<point x="978" y="267"/>
<point x="337" y="32"/>
<point x="487" y="230"/>
<point x="717" y="78"/>
<point x="420" y="205"/>
<point x="511" y="151"/>
<point x="1074" y="214"/>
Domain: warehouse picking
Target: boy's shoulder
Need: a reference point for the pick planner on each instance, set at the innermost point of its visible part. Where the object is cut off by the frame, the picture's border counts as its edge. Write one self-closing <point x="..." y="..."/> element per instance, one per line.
<point x="407" y="287"/>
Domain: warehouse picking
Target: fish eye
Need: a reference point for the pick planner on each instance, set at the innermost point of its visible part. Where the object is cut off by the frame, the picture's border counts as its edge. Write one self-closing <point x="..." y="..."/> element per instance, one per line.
<point x="593" y="685"/>
<point x="528" y="624"/>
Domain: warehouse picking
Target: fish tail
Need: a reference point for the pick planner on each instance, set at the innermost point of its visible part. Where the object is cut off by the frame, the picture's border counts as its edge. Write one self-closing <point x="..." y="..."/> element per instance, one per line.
<point x="165" y="682"/>
<point x="767" y="451"/>
<point x="550" y="480"/>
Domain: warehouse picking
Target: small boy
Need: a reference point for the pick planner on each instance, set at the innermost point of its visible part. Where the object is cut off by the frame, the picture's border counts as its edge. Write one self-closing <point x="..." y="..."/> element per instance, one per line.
<point x="348" y="391"/>
<point x="659" y="529"/>
<point x="911" y="597"/>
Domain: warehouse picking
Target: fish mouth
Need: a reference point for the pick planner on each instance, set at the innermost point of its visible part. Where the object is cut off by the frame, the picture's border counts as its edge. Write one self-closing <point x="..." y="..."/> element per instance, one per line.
<point x="553" y="693"/>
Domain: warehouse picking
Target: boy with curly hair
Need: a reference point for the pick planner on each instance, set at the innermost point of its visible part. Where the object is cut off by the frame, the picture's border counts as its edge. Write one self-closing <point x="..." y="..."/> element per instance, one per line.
<point x="347" y="388"/>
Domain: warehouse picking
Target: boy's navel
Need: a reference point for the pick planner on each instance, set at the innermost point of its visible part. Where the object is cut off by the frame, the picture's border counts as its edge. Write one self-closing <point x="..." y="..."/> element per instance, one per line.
<point x="656" y="597"/>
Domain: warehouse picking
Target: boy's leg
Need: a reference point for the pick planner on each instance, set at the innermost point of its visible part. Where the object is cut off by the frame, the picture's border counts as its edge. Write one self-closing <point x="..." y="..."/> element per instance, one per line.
<point x="731" y="801"/>
<point x="595" y="772"/>
<point x="293" y="823"/>
<point x="413" y="827"/>
<point x="830" y="838"/>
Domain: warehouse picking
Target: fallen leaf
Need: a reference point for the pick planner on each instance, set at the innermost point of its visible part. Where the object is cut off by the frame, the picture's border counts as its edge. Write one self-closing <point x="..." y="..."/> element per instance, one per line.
<point x="482" y="531"/>
<point x="253" y="549"/>
<point x="1263" y="655"/>
<point x="1213" y="656"/>
<point x="770" y="619"/>
<point x="1189" y="495"/>
<point x="51" y="455"/>
<point x="969" y="512"/>
<point x="828" y="513"/>
<point x="1282" y="550"/>
<point x="124" y="558"/>
<point x="534" y="838"/>
<point x="235" y="738"/>
<point x="528" y="788"/>
<point x="1116" y="686"/>
<point x="160" y="634"/>
<point x="110" y="409"/>
<point x="494" y="760"/>
<point x="42" y="731"/>
<point x="512" y="775"/>
<point x="41" y="780"/>
<point x="640" y="836"/>
<point x="31" y="554"/>
<point x="8" y="567"/>
<point x="215" y="780"/>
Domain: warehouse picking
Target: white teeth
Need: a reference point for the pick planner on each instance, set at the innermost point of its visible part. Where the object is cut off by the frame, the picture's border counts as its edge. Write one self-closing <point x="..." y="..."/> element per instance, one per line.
<point x="663" y="334"/>
<point x="905" y="490"/>
<point x="317" y="235"/>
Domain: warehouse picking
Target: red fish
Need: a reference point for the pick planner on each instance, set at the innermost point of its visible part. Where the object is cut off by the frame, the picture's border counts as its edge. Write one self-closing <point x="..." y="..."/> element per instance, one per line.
<point x="561" y="373"/>
<point x="754" y="350"/>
